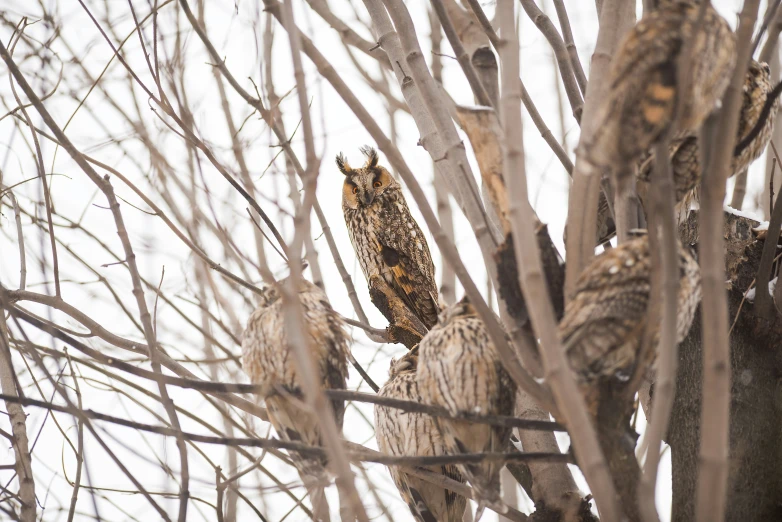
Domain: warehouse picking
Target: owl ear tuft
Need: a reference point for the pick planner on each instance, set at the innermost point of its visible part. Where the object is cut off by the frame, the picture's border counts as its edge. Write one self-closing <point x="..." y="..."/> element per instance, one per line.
<point x="342" y="164"/>
<point x="464" y="307"/>
<point x="371" y="155"/>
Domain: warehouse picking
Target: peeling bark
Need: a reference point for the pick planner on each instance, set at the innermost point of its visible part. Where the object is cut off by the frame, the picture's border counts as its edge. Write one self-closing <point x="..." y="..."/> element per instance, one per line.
<point x="485" y="133"/>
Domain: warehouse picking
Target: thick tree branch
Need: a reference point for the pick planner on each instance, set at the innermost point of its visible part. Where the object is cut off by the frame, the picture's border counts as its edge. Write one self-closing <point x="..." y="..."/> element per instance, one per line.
<point x="715" y="413"/>
<point x="532" y="280"/>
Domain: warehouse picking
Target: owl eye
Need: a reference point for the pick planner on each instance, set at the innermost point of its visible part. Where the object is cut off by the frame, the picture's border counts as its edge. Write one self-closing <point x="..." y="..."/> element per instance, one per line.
<point x="355" y="190"/>
<point x="377" y="184"/>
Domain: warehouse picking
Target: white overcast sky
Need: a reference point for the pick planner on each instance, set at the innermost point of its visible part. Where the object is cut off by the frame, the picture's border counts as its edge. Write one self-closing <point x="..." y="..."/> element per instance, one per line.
<point x="234" y="29"/>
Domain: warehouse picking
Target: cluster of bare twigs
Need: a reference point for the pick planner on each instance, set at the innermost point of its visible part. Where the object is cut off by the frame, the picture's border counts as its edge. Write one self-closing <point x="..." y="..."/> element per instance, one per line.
<point x="161" y="162"/>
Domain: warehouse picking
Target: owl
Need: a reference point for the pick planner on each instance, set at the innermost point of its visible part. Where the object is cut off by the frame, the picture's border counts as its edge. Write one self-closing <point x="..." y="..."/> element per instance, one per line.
<point x="268" y="361"/>
<point x="643" y="87"/>
<point x="606" y="228"/>
<point x="603" y="327"/>
<point x="460" y="370"/>
<point x="684" y="151"/>
<point x="415" y="434"/>
<point x="386" y="238"/>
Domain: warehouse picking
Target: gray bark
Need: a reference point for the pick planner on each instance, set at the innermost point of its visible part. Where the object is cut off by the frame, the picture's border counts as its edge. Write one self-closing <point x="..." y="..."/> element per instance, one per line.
<point x="755" y="481"/>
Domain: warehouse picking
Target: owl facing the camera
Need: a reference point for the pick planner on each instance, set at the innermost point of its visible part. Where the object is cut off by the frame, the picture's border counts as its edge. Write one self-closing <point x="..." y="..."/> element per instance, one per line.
<point x="387" y="240"/>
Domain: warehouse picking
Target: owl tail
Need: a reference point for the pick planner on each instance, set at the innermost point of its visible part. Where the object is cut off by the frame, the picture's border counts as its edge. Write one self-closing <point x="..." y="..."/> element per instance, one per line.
<point x="479" y="511"/>
<point x="316" y="489"/>
<point x="496" y="506"/>
<point x="488" y="495"/>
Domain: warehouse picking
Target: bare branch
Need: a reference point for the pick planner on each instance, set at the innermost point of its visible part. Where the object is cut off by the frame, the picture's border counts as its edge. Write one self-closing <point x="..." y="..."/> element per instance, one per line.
<point x="461" y="55"/>
<point x="349" y="35"/>
<point x="715" y="412"/>
<point x="665" y="289"/>
<point x="567" y="35"/>
<point x="23" y="460"/>
<point x="532" y="280"/>
<point x="546" y="27"/>
<point x="582" y="210"/>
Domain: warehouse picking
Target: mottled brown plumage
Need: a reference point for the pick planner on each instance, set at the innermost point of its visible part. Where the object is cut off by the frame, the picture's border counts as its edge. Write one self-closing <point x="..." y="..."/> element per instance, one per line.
<point x="460" y="370"/>
<point x="415" y="434"/>
<point x="603" y="327"/>
<point x="606" y="228"/>
<point x="386" y="238"/>
<point x="268" y="361"/>
<point x="684" y="150"/>
<point x="643" y="85"/>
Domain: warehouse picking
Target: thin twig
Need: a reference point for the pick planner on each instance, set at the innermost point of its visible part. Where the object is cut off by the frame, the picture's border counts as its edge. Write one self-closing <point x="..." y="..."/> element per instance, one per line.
<point x="762" y="296"/>
<point x="20" y="240"/>
<point x="355" y="452"/>
<point x="546" y="27"/>
<point x="18" y="419"/>
<point x="101" y="332"/>
<point x="567" y="35"/>
<point x="767" y="52"/>
<point x="771" y="12"/>
<point x="79" y="443"/>
<point x="295" y="325"/>
<point x="663" y="244"/>
<point x="41" y="175"/>
<point x="159" y="212"/>
<point x="582" y="210"/>
<point x="348" y="35"/>
<point x="462" y="57"/>
<point x="444" y="211"/>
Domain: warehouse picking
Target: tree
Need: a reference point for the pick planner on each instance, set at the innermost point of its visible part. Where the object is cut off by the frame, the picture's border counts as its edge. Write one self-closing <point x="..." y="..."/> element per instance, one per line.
<point x="164" y="161"/>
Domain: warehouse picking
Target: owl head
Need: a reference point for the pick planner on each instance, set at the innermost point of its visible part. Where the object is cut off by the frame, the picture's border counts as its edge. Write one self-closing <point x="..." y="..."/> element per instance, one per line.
<point x="407" y="363"/>
<point x="268" y="296"/>
<point x="758" y="76"/>
<point x="462" y="308"/>
<point x="271" y="294"/>
<point x="364" y="186"/>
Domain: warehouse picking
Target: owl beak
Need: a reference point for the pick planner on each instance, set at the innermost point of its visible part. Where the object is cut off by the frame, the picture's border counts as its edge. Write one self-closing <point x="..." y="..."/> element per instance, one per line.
<point x="368" y="198"/>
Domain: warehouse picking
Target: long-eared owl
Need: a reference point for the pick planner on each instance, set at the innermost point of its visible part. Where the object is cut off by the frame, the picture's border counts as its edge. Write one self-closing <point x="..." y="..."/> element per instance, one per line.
<point x="386" y="238"/>
<point x="684" y="155"/>
<point x="459" y="369"/>
<point x="268" y="361"/>
<point x="415" y="434"/>
<point x="643" y="83"/>
<point x="603" y="327"/>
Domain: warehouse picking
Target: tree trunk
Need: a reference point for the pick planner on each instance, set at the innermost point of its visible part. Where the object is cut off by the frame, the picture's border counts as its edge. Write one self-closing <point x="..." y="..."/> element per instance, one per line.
<point x="755" y="480"/>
